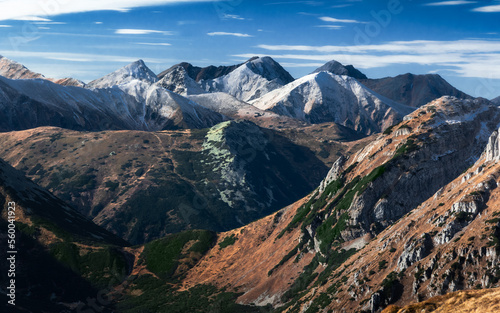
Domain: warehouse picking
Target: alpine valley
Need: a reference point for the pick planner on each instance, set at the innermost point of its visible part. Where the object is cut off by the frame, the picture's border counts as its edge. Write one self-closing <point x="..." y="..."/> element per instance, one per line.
<point x="241" y="189"/>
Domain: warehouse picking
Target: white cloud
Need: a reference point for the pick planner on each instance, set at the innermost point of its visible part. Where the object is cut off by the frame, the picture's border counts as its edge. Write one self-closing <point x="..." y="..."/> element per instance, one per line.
<point x="467" y="58"/>
<point x="336" y="20"/>
<point x="331" y="26"/>
<point x="98" y="23"/>
<point x="31" y="18"/>
<point x="233" y="17"/>
<point x="5" y="26"/>
<point x="228" y="34"/>
<point x="77" y="57"/>
<point x="153" y="43"/>
<point x="410" y="47"/>
<point x="13" y="9"/>
<point x="130" y="31"/>
<point x="488" y="9"/>
<point x="443" y="3"/>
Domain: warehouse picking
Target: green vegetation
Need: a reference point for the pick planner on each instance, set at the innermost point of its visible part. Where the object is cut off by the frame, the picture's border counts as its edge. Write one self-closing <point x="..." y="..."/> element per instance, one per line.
<point x="388" y="130"/>
<point x="162" y="256"/>
<point x="287" y="257"/>
<point x="103" y="267"/>
<point x="331" y="229"/>
<point x="407" y="147"/>
<point x="382" y="264"/>
<point x="228" y="241"/>
<point x="157" y="297"/>
<point x="111" y="185"/>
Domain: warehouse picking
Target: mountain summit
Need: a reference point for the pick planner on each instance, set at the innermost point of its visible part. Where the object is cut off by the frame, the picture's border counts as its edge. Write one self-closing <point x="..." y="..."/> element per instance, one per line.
<point x="134" y="71"/>
<point x="414" y="90"/>
<point x="246" y="81"/>
<point x="326" y="97"/>
<point x="338" y="69"/>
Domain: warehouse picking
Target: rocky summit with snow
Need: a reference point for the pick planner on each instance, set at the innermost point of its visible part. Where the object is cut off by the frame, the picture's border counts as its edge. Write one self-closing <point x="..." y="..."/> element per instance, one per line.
<point x="326" y="97"/>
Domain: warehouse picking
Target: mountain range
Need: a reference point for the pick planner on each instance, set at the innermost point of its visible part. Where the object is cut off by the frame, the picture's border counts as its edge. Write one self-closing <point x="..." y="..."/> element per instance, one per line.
<point x="241" y="189"/>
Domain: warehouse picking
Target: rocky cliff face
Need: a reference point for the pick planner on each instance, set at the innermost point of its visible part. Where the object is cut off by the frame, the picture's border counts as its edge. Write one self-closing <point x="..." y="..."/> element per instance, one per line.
<point x="492" y="151"/>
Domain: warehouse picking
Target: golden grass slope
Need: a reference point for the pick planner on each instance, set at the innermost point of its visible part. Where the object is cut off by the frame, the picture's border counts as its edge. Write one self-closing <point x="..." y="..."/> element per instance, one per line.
<point x="471" y="301"/>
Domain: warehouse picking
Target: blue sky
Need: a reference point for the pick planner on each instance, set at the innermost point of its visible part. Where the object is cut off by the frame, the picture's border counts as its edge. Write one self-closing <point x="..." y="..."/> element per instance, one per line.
<point x="460" y="40"/>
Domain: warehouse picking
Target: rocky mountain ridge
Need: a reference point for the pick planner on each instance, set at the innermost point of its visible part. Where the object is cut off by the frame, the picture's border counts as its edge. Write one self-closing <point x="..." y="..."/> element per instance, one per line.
<point x="413" y="90"/>
<point x="15" y="70"/>
<point x="324" y="96"/>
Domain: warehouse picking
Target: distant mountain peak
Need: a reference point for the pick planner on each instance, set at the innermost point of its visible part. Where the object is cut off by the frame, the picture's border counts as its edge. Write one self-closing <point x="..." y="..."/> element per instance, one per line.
<point x="14" y="70"/>
<point x="136" y="70"/>
<point x="268" y="68"/>
<point x="414" y="90"/>
<point x="338" y="69"/>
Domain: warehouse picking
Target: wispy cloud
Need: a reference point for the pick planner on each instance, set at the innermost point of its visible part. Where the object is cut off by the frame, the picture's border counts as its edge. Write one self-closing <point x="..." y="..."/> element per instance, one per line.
<point x="78" y="57"/>
<point x="5" y="26"/>
<point x="331" y="26"/>
<point x="153" y="43"/>
<point x="31" y="18"/>
<point x="336" y="20"/>
<point x="445" y="3"/>
<point x="233" y="17"/>
<point x="228" y="34"/>
<point x="488" y="9"/>
<point x="311" y="3"/>
<point x="13" y="9"/>
<point x="467" y="58"/>
<point x="130" y="31"/>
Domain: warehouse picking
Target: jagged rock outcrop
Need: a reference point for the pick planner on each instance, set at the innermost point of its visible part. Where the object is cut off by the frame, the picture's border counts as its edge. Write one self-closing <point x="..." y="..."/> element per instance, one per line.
<point x="334" y="173"/>
<point x="414" y="251"/>
<point x="493" y="148"/>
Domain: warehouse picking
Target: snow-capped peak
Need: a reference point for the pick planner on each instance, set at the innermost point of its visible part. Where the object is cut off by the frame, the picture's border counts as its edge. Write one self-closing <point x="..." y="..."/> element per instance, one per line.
<point x="134" y="71"/>
<point x="269" y="69"/>
<point x="326" y="97"/>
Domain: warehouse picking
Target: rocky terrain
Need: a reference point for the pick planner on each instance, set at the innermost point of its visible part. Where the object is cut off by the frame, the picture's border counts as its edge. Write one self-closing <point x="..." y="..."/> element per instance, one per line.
<point x="240" y="189"/>
<point x="408" y="244"/>
<point x="326" y="97"/>
<point x="216" y="178"/>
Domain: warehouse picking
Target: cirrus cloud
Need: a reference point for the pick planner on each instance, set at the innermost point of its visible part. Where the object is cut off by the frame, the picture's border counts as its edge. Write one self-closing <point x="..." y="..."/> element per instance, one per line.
<point x="228" y="34"/>
<point x="12" y="9"/>
<point x="130" y="31"/>
<point x="467" y="58"/>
